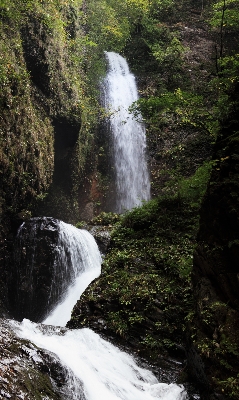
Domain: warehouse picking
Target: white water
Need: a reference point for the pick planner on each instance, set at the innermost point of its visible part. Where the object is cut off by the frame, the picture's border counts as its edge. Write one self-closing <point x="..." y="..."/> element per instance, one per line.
<point x="85" y="266"/>
<point x="128" y="135"/>
<point x="106" y="372"/>
<point x="97" y="370"/>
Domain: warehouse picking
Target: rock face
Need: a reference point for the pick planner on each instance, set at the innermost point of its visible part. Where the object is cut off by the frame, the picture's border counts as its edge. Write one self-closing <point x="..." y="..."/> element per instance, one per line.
<point x="28" y="372"/>
<point x="216" y="264"/>
<point x="41" y="118"/>
<point x="35" y="257"/>
<point x="102" y="237"/>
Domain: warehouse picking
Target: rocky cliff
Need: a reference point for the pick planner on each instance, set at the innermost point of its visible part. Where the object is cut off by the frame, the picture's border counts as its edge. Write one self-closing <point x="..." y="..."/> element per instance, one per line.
<point x="216" y="263"/>
<point x="46" y="136"/>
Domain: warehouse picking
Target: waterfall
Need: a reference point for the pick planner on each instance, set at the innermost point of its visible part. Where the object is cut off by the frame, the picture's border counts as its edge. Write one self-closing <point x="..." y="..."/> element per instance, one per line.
<point x="85" y="265"/>
<point x="101" y="370"/>
<point x="95" y="369"/>
<point x="128" y="135"/>
<point x="50" y="257"/>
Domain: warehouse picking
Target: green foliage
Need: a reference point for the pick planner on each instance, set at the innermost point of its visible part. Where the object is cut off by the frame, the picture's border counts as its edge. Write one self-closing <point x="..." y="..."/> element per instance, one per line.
<point x="224" y="85"/>
<point x="193" y="189"/>
<point x="146" y="274"/>
<point x="225" y="20"/>
<point x="109" y="30"/>
<point x="117" y="323"/>
<point x="230" y="386"/>
<point x="80" y="224"/>
<point x="184" y="107"/>
<point x="161" y="6"/>
<point x="133" y="10"/>
<point x="141" y="217"/>
<point x="111" y="23"/>
<point x="225" y="14"/>
<point x="168" y="55"/>
<point x="105" y="219"/>
<point x="217" y="342"/>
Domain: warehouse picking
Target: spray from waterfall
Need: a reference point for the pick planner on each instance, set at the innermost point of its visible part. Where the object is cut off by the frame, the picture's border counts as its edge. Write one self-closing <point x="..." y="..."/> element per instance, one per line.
<point x="128" y="135"/>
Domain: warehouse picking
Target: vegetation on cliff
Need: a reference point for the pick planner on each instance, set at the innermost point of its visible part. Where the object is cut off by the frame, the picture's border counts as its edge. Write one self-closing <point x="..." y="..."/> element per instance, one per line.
<point x="144" y="292"/>
<point x="47" y="112"/>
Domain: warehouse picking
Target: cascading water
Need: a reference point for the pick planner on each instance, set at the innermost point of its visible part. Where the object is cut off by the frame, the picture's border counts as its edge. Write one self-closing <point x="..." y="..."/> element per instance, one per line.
<point x="50" y="256"/>
<point x="128" y="135"/>
<point x="95" y="369"/>
<point x="84" y="266"/>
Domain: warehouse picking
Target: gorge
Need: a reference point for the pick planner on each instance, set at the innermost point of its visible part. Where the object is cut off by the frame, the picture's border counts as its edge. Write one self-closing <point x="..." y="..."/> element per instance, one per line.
<point x="168" y="290"/>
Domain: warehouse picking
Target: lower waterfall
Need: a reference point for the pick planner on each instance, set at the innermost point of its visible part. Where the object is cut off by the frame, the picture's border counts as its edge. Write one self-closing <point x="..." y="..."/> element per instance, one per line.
<point x="51" y="257"/>
<point x="85" y="265"/>
<point x="96" y="369"/>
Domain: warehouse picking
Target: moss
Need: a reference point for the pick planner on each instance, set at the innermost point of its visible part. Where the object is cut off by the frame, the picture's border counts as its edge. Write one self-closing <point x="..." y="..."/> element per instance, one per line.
<point x="26" y="138"/>
<point x="48" y="95"/>
<point x="38" y="385"/>
<point x="29" y="371"/>
<point x="48" y="114"/>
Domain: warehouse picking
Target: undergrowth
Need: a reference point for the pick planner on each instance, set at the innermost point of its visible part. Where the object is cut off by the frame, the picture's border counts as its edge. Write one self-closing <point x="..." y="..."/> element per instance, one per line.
<point x="144" y="292"/>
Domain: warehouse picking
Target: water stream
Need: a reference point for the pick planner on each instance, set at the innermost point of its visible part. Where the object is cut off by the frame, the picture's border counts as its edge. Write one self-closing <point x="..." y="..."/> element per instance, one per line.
<point x="85" y="266"/>
<point x="128" y="135"/>
<point x="97" y="370"/>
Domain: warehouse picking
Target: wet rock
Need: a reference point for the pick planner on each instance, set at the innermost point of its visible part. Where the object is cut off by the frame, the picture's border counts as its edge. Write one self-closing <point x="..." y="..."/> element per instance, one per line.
<point x="27" y="372"/>
<point x="196" y="370"/>
<point x="88" y="212"/>
<point x="35" y="259"/>
<point x="102" y="237"/>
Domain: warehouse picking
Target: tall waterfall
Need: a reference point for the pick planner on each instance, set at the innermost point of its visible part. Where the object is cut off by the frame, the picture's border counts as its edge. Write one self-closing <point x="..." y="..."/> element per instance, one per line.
<point x="95" y="369"/>
<point x="128" y="135"/>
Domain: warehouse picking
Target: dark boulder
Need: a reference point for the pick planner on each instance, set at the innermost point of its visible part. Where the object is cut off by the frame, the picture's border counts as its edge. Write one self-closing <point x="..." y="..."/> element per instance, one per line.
<point x="35" y="266"/>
